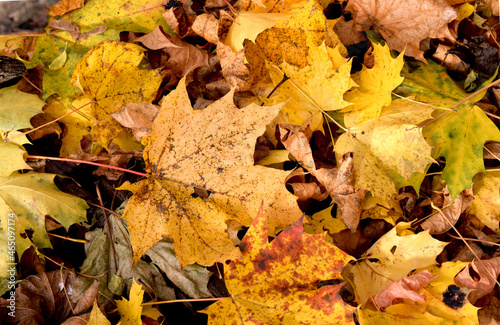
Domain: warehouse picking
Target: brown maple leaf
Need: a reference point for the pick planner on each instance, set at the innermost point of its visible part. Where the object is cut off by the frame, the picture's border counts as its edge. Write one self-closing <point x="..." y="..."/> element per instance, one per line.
<point x="404" y="24"/>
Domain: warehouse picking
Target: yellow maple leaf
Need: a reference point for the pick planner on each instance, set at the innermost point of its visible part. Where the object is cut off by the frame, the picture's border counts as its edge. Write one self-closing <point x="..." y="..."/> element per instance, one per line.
<point x="486" y="206"/>
<point x="277" y="282"/>
<point x="395" y="257"/>
<point x="131" y="309"/>
<point x="210" y="149"/>
<point x="375" y="84"/>
<point x="310" y="91"/>
<point x="109" y="75"/>
<point x="389" y="151"/>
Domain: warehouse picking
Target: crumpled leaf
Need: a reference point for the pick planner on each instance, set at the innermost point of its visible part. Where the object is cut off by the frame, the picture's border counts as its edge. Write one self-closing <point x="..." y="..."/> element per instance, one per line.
<point x="110" y="76"/>
<point x="468" y="128"/>
<point x="138" y="117"/>
<point x="64" y="6"/>
<point x="486" y="206"/>
<point x="443" y="221"/>
<point x="184" y="57"/>
<point x="488" y="271"/>
<point x="317" y="87"/>
<point x="404" y="24"/>
<point x="234" y="70"/>
<point x="405" y="288"/>
<point x="211" y="149"/>
<point x="130" y="310"/>
<point x="192" y="279"/>
<point x="395" y="257"/>
<point x="278" y="281"/>
<point x="375" y="84"/>
<point x="389" y="151"/>
<point x="138" y="16"/>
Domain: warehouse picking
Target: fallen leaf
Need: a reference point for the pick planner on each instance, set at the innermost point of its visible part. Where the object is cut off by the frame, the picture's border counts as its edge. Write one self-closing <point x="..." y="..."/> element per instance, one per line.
<point x="393" y="257"/>
<point x="211" y="149"/>
<point x="488" y="271"/>
<point x="184" y="57"/>
<point x="110" y="76"/>
<point x="389" y="151"/>
<point x="138" y="117"/>
<point x="234" y="70"/>
<point x="404" y="24"/>
<point x="97" y="317"/>
<point x="405" y="288"/>
<point x="468" y="128"/>
<point x="278" y="281"/>
<point x="130" y="310"/>
<point x="317" y="87"/>
<point x="138" y="16"/>
<point x="445" y="219"/>
<point x="43" y="121"/>
<point x="486" y="206"/>
<point x="64" y="6"/>
<point x="375" y="85"/>
<point x="17" y="108"/>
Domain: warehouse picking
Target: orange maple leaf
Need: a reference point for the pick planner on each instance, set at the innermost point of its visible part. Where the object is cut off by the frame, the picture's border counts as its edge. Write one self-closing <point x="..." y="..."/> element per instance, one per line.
<point x="278" y="282"/>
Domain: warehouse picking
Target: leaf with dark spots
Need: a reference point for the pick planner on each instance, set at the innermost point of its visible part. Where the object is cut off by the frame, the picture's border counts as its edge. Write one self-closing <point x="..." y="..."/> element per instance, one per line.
<point x="278" y="281"/>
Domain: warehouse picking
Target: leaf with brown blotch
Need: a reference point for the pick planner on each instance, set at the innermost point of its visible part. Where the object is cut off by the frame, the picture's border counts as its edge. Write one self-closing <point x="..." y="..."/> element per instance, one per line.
<point x="234" y="70"/>
<point x="65" y="6"/>
<point x="403" y="24"/>
<point x="278" y="282"/>
<point x="184" y="57"/>
<point x="444" y="220"/>
<point x="296" y="140"/>
<point x="211" y="149"/>
<point x="488" y="271"/>
<point x="408" y="287"/>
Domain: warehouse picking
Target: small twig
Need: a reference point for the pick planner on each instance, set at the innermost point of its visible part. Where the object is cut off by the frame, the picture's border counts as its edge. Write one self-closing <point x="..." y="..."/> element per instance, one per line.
<point x="78" y="161"/>
<point x="83" y="241"/>
<point x="181" y="300"/>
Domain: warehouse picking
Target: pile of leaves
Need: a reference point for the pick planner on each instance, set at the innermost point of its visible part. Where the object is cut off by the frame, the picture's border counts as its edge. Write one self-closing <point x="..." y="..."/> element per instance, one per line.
<point x="252" y="162"/>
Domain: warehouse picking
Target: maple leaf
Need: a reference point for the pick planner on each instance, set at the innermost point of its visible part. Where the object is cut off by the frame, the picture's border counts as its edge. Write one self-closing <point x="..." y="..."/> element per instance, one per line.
<point x="210" y="149"/>
<point x="395" y="257"/>
<point x="486" y="206"/>
<point x="17" y="108"/>
<point x="97" y="317"/>
<point x="317" y="87"/>
<point x="138" y="16"/>
<point x="130" y="310"/>
<point x="278" y="281"/>
<point x="468" y="128"/>
<point x="389" y="151"/>
<point x="65" y="6"/>
<point x="110" y="76"/>
<point x="375" y="84"/>
<point x="404" y="24"/>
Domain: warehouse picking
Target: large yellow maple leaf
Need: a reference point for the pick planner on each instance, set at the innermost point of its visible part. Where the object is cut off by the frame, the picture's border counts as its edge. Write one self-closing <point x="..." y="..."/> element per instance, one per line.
<point x="375" y="84"/>
<point x="389" y="151"/>
<point x="110" y="76"/>
<point x="312" y="90"/>
<point x="210" y="149"/>
<point x="277" y="282"/>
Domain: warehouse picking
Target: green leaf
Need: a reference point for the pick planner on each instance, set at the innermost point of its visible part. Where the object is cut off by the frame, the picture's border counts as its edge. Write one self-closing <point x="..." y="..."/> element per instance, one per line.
<point x="459" y="136"/>
<point x="135" y="16"/>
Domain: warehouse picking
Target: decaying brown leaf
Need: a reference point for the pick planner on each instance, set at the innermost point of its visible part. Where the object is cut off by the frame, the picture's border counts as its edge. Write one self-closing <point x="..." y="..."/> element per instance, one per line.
<point x="138" y="117"/>
<point x="404" y="24"/>
<point x="488" y="271"/>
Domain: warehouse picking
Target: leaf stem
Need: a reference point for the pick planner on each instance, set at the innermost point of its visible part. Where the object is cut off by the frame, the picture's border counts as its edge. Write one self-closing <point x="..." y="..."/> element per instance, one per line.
<point x="78" y="161"/>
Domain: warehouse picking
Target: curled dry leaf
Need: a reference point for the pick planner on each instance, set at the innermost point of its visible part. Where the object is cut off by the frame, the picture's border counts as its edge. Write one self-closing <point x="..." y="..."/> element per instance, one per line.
<point x="65" y="6"/>
<point x="234" y="69"/>
<point x="488" y="271"/>
<point x="138" y="117"/>
<point x="184" y="57"/>
<point x="405" y="288"/>
<point x="442" y="221"/>
<point x="404" y="24"/>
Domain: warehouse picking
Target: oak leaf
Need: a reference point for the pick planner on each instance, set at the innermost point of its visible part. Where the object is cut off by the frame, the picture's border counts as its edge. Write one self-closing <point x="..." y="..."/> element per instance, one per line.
<point x="211" y="149"/>
<point x="389" y="151"/>
<point x="375" y="84"/>
<point x="404" y="24"/>
<point x="278" y="281"/>
<point x="467" y="128"/>
<point x="395" y="257"/>
<point x="109" y="75"/>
